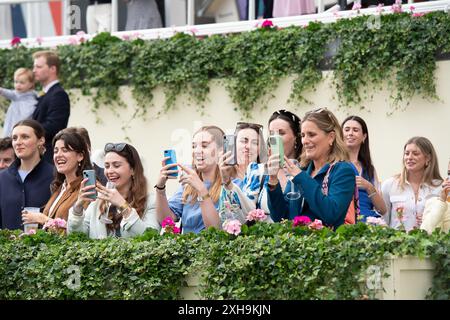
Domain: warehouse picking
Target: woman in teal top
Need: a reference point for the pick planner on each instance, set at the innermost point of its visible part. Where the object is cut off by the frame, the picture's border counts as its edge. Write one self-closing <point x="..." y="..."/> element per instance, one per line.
<point x="324" y="153"/>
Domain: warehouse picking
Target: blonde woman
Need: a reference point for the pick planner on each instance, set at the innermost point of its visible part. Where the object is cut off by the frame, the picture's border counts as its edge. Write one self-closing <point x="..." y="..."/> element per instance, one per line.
<point x="406" y="193"/>
<point x="196" y="200"/>
<point x="324" y="157"/>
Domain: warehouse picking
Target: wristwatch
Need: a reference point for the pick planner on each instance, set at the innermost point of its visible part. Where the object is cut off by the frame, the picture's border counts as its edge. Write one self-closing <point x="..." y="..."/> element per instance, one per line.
<point x="201" y="199"/>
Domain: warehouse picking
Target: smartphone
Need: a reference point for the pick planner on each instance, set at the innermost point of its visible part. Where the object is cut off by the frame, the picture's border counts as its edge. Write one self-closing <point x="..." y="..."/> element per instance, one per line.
<point x="90" y="175"/>
<point x="229" y="144"/>
<point x="276" y="147"/>
<point x="173" y="159"/>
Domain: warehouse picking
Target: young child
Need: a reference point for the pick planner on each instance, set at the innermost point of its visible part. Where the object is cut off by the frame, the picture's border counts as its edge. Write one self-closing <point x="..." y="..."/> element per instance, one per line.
<point x="23" y="99"/>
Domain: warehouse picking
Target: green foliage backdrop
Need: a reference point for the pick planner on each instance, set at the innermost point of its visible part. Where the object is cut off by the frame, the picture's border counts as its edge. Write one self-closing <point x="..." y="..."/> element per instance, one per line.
<point x="401" y="48"/>
<point x="267" y="261"/>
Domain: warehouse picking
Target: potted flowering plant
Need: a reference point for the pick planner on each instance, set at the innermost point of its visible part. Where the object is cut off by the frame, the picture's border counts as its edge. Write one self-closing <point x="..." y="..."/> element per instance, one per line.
<point x="306" y="221"/>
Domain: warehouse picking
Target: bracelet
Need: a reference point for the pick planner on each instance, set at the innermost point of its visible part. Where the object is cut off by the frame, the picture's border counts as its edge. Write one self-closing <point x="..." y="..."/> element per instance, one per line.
<point x="372" y="194"/>
<point x="159" y="188"/>
<point x="123" y="207"/>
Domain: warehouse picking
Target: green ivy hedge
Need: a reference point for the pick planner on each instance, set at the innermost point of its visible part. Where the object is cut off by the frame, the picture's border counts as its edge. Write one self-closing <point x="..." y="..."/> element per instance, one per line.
<point x="398" y="47"/>
<point x="267" y="261"/>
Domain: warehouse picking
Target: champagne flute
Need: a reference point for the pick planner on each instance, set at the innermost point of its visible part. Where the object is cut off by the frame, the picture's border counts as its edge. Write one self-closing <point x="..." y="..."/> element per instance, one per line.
<point x="292" y="194"/>
<point x="104" y="217"/>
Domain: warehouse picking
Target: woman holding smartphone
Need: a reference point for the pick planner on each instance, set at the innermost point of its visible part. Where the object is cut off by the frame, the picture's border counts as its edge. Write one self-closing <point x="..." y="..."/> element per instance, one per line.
<point x="71" y="157"/>
<point x="196" y="200"/>
<point x="252" y="194"/>
<point x="129" y="208"/>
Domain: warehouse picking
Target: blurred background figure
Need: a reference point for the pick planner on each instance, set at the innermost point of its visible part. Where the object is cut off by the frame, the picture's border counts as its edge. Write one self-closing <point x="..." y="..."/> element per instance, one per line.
<point x="7" y="155"/>
<point x="142" y="14"/>
<point x="98" y="16"/>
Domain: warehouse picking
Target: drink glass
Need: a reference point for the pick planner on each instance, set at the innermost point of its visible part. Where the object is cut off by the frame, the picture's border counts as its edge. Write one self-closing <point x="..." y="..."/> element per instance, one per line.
<point x="104" y="217"/>
<point x="293" y="194"/>
<point x="27" y="227"/>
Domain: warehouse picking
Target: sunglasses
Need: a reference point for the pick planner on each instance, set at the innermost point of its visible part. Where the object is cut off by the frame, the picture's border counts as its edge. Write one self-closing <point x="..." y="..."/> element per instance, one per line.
<point x="115" y="147"/>
<point x="288" y="114"/>
<point x="244" y="125"/>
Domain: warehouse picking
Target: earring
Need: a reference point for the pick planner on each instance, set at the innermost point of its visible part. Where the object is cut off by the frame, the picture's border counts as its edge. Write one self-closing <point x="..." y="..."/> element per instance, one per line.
<point x="79" y="163"/>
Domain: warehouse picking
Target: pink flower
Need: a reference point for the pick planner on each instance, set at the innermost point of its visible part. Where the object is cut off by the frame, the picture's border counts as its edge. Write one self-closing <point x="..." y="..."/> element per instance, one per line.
<point x="73" y="41"/>
<point x="301" y="221"/>
<point x="356" y="6"/>
<point x="39" y="40"/>
<point x="232" y="226"/>
<point x="60" y="223"/>
<point x="267" y="24"/>
<point x="32" y="231"/>
<point x="168" y="222"/>
<point x="176" y="230"/>
<point x="15" y="41"/>
<point x="418" y="14"/>
<point x="316" y="224"/>
<point x="193" y="30"/>
<point x="376" y="221"/>
<point x="126" y="37"/>
<point x="380" y="8"/>
<point x="412" y="8"/>
<point x="256" y="215"/>
<point x="397" y="6"/>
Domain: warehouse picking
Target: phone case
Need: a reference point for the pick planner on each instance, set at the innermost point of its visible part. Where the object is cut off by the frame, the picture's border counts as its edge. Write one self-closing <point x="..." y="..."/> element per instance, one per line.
<point x="229" y="144"/>
<point x="277" y="147"/>
<point x="90" y="174"/>
<point x="173" y="159"/>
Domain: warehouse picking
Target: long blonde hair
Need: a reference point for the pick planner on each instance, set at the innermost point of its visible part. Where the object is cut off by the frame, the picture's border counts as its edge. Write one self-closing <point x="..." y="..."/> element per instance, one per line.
<point x="189" y="192"/>
<point x="327" y="122"/>
<point x="431" y="170"/>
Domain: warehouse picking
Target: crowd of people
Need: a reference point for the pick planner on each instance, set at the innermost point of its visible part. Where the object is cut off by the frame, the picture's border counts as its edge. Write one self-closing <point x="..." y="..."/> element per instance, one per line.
<point x="312" y="166"/>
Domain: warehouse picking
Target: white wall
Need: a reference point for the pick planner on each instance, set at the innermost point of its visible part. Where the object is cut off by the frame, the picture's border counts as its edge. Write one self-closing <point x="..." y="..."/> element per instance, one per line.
<point x="387" y="133"/>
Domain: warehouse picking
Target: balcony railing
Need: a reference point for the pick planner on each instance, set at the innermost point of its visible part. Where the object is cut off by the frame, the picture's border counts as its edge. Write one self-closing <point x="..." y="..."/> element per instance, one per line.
<point x="214" y="28"/>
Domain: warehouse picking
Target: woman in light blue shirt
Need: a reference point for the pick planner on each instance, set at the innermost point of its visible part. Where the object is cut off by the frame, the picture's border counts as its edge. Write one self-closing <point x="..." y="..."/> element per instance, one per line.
<point x="196" y="200"/>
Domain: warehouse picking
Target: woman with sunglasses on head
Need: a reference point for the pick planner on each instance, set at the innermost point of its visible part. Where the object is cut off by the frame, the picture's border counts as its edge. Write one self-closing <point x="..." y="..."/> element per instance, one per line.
<point x="125" y="211"/>
<point x="356" y="137"/>
<point x="405" y="194"/>
<point x="253" y="193"/>
<point x="71" y="157"/>
<point x="324" y="157"/>
<point x="196" y="200"/>
<point x="26" y="182"/>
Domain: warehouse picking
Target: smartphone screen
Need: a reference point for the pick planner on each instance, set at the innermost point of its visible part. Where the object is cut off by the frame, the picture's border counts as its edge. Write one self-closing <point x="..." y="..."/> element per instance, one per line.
<point x="229" y="144"/>
<point x="90" y="175"/>
<point x="277" y="147"/>
<point x="173" y="159"/>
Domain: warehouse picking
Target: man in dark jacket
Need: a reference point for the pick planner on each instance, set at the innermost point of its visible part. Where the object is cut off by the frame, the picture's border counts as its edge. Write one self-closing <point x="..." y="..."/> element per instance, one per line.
<point x="16" y="194"/>
<point x="53" y="108"/>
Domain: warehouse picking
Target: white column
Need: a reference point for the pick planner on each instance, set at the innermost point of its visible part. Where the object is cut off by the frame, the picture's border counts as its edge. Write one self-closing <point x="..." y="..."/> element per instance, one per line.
<point x="251" y="10"/>
<point x="190" y="12"/>
<point x="114" y="16"/>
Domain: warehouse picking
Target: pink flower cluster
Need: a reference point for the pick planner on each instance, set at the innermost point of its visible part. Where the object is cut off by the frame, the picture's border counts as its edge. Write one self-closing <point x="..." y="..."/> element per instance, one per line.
<point x="267" y="24"/>
<point x="376" y="221"/>
<point x="232" y="226"/>
<point x="306" y="221"/>
<point x="15" y="41"/>
<point x="301" y="221"/>
<point x="356" y="6"/>
<point x="397" y="6"/>
<point x="256" y="215"/>
<point x="169" y="225"/>
<point x="55" y="224"/>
